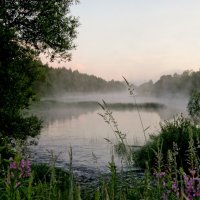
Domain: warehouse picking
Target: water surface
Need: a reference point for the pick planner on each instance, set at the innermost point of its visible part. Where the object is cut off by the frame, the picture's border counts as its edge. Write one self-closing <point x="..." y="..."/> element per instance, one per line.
<point x="74" y="122"/>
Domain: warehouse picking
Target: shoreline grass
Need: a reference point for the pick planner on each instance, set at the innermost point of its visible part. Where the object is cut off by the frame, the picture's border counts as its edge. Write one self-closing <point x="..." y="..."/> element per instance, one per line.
<point x="171" y="163"/>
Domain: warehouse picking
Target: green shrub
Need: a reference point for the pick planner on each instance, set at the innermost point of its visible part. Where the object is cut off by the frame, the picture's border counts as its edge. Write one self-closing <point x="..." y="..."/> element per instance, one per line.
<point x="194" y="106"/>
<point x="43" y="174"/>
<point x="173" y="132"/>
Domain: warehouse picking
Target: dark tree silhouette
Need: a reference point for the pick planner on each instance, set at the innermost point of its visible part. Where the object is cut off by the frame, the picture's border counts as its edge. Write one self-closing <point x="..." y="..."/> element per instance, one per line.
<point x="28" y="28"/>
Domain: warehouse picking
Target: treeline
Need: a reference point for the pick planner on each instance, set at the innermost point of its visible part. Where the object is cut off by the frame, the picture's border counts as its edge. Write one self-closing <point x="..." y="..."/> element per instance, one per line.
<point x="61" y="80"/>
<point x="175" y="84"/>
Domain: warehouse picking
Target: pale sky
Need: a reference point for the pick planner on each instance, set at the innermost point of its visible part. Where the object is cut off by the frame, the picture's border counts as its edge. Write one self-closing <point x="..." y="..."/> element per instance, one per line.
<point x="138" y="39"/>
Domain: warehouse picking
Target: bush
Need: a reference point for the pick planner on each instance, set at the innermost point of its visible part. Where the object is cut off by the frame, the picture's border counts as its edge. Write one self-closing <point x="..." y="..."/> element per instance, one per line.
<point x="173" y="132"/>
<point x="43" y="174"/>
<point x="194" y="106"/>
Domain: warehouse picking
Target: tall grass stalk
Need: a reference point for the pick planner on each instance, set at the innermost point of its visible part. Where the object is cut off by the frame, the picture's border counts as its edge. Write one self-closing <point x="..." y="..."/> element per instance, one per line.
<point x="131" y="92"/>
<point x="71" y="178"/>
<point x="168" y="178"/>
<point x="122" y="147"/>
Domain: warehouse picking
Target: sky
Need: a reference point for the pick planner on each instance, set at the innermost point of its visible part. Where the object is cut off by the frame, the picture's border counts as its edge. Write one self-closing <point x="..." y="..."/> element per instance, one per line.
<point x="137" y="39"/>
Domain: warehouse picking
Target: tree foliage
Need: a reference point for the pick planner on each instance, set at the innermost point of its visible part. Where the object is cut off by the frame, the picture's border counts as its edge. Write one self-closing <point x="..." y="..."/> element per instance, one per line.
<point x="18" y="72"/>
<point x="28" y="28"/>
<point x="45" y="25"/>
<point x="62" y="80"/>
<point x="172" y="85"/>
<point x="194" y="106"/>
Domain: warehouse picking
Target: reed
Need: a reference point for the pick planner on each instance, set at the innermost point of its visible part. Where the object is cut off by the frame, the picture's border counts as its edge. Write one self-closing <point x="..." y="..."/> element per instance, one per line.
<point x="170" y="161"/>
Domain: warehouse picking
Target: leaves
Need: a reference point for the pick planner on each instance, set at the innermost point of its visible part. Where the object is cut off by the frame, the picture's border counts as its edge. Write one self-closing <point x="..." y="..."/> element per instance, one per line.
<point x="194" y="106"/>
<point x="28" y="28"/>
<point x="41" y="24"/>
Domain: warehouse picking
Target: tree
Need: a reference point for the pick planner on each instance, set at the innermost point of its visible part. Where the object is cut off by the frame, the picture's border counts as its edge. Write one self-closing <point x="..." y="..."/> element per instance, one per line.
<point x="45" y="25"/>
<point x="28" y="28"/>
<point x="194" y="106"/>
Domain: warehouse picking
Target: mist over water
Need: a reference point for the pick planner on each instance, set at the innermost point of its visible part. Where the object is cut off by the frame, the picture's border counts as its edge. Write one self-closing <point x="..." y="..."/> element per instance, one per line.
<point x="73" y="120"/>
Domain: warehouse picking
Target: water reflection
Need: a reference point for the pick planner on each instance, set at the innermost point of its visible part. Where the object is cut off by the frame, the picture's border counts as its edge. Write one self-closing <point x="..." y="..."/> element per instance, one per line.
<point x="78" y="125"/>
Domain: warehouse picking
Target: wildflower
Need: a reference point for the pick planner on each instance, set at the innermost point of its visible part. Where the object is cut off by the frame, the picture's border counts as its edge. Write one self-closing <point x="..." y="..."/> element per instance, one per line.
<point x="192" y="185"/>
<point x="18" y="171"/>
<point x="159" y="174"/>
<point x="197" y="194"/>
<point x="166" y="194"/>
<point x="185" y="177"/>
<point x="174" y="186"/>
<point x="196" y="179"/>
<point x="22" y="164"/>
<point x="164" y="183"/>
<point x="28" y="168"/>
<point x="193" y="172"/>
<point x="13" y="165"/>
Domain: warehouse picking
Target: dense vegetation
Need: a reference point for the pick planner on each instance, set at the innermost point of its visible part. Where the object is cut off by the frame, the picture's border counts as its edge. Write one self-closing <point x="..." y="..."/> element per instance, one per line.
<point x="171" y="169"/>
<point x="62" y="80"/>
<point x="173" y="136"/>
<point x="28" y="28"/>
<point x="170" y="159"/>
<point x="172" y="85"/>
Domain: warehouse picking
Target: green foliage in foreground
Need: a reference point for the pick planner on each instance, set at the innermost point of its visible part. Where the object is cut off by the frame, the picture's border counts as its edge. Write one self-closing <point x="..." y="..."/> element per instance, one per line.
<point x="173" y="135"/>
<point x="174" y="174"/>
<point x="20" y="180"/>
<point x="171" y="162"/>
<point x="28" y="28"/>
<point x="18" y="72"/>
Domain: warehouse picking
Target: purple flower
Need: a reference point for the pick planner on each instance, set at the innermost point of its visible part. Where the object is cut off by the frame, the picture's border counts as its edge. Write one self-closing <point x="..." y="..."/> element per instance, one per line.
<point x="197" y="194"/>
<point x="28" y="167"/>
<point x="22" y="164"/>
<point x="196" y="179"/>
<point x="164" y="183"/>
<point x="185" y="177"/>
<point x="174" y="186"/>
<point x="13" y="165"/>
<point x="193" y="172"/>
<point x="18" y="171"/>
<point x="159" y="174"/>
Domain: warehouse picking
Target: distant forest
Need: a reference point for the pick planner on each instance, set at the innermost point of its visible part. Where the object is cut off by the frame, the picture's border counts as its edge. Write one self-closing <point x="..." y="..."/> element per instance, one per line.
<point x="173" y="85"/>
<point x="61" y="80"/>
